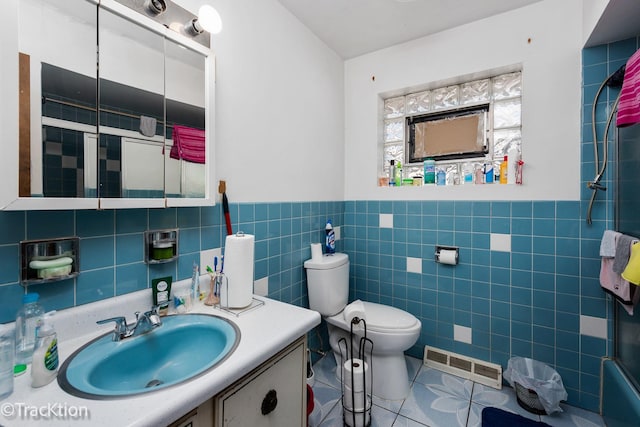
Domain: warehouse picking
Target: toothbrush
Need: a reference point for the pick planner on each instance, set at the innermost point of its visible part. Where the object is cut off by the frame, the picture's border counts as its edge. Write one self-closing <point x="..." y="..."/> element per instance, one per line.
<point x="216" y="291"/>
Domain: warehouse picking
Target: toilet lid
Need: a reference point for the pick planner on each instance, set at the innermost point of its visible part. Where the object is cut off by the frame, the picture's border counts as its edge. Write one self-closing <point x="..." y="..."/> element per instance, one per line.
<point x="383" y="317"/>
<point x="326" y="262"/>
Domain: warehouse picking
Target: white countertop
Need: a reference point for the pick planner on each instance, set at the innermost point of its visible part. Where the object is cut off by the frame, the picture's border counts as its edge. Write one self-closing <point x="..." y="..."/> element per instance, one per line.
<point x="264" y="331"/>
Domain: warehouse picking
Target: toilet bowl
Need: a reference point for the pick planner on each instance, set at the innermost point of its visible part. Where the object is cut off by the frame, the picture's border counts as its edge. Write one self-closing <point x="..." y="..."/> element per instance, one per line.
<point x="392" y="331"/>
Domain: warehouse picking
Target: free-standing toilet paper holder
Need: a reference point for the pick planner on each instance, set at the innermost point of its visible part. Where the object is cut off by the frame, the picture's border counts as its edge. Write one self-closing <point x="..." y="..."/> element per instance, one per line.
<point x="356" y="376"/>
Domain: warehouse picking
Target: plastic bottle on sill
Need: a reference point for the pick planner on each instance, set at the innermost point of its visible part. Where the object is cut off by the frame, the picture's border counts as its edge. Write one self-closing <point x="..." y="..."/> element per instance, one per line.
<point x="398" y="177"/>
<point x="441" y="177"/>
<point x="429" y="171"/>
<point x="503" y="170"/>
<point x="488" y="173"/>
<point x="392" y="173"/>
<point x="467" y="173"/>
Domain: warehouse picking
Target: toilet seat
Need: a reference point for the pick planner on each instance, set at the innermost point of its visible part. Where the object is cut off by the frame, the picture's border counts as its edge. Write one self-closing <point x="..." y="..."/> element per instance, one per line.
<point x="381" y="318"/>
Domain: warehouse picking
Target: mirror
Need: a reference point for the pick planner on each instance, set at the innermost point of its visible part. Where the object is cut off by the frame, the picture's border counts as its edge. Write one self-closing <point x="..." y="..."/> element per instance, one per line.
<point x="57" y="99"/>
<point x="185" y="152"/>
<point x="131" y="100"/>
<point x="134" y="128"/>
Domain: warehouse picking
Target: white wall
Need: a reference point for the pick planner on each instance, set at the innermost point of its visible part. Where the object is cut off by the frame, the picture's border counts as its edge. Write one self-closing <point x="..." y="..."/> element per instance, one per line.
<point x="279" y="106"/>
<point x="592" y="11"/>
<point x="551" y="69"/>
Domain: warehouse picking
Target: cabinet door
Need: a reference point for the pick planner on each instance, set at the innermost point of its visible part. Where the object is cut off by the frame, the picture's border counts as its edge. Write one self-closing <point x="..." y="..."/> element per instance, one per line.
<point x="272" y="397"/>
<point x="202" y="416"/>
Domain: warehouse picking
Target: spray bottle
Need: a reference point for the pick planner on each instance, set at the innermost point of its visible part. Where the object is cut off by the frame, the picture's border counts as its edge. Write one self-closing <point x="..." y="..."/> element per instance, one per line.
<point x="330" y="238"/>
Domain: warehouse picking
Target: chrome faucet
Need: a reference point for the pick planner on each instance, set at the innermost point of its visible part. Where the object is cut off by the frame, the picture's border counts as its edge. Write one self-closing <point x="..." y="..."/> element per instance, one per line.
<point x="145" y="322"/>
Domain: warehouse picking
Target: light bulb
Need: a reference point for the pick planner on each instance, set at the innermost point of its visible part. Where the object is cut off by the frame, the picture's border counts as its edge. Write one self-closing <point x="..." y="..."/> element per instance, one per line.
<point x="210" y="19"/>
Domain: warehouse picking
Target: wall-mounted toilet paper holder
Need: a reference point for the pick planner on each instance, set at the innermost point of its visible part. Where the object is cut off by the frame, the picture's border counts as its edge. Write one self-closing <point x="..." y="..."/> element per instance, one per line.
<point x="447" y="254"/>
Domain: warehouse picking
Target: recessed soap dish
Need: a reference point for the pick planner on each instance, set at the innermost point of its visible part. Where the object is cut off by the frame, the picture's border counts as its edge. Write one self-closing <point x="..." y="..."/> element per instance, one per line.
<point x="160" y="246"/>
<point x="48" y="260"/>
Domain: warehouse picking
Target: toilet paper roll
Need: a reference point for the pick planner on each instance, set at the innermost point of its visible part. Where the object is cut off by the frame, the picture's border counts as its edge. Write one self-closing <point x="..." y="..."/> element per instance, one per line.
<point x="238" y="267"/>
<point x="362" y="419"/>
<point x="354" y="400"/>
<point x="447" y="256"/>
<point x="355" y="309"/>
<point x="316" y="251"/>
<point x="359" y="368"/>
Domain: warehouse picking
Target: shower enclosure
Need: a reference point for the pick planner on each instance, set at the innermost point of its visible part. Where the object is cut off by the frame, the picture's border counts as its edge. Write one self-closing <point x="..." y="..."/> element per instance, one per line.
<point x="627" y="207"/>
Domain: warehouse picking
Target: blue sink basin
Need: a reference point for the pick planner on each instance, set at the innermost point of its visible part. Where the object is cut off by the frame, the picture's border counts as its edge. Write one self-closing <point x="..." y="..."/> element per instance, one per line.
<point x="184" y="347"/>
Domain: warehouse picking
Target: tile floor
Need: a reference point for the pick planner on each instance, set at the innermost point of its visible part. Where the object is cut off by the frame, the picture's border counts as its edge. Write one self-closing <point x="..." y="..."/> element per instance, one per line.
<point x="436" y="399"/>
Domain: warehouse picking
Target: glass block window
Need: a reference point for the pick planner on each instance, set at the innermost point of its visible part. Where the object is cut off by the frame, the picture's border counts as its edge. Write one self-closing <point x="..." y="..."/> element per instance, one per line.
<point x="503" y="94"/>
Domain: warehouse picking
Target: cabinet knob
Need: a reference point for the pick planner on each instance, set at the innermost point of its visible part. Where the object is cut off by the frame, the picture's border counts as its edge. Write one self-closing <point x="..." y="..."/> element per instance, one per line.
<point x="269" y="402"/>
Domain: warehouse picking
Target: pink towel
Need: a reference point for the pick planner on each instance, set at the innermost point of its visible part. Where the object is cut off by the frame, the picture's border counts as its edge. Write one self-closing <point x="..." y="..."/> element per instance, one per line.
<point x="629" y="107"/>
<point x="188" y="144"/>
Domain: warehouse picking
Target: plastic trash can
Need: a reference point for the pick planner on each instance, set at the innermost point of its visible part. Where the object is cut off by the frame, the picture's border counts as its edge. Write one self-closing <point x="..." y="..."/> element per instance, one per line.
<point x="538" y="387"/>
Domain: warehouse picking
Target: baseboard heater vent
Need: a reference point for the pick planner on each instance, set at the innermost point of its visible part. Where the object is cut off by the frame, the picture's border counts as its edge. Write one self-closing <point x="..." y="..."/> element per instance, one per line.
<point x="476" y="370"/>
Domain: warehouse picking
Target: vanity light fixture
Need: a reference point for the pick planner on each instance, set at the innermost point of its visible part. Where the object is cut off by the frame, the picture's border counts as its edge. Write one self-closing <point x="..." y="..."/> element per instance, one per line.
<point x="155" y="7"/>
<point x="193" y="27"/>
<point x="209" y="19"/>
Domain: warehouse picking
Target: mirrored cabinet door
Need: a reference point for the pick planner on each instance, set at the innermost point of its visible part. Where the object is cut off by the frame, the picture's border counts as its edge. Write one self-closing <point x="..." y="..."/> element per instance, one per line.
<point x="131" y="109"/>
<point x="185" y="153"/>
<point x="57" y="98"/>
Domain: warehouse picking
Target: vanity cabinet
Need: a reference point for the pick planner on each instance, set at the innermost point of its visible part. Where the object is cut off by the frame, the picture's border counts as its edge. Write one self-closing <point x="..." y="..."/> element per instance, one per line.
<point x="272" y="395"/>
<point x="201" y="416"/>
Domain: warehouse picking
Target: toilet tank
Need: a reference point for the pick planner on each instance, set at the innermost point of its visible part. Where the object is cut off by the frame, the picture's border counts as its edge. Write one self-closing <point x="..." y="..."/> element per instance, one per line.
<point x="328" y="283"/>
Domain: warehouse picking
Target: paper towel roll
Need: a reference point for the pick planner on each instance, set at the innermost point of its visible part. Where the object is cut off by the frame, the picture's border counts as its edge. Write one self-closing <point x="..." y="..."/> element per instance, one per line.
<point x="238" y="267"/>
<point x="355" y="309"/>
<point x="360" y="368"/>
<point x="316" y="251"/>
<point x="447" y="256"/>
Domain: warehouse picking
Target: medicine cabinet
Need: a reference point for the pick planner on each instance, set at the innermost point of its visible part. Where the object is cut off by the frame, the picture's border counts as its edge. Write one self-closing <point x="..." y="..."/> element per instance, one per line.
<point x="114" y="107"/>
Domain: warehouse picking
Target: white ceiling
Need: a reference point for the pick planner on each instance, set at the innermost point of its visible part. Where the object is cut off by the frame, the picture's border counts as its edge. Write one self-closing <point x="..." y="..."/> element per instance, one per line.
<point x="355" y="27"/>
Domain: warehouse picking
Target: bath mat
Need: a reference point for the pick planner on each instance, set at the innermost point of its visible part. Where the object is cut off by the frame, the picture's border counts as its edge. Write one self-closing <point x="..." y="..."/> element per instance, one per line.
<point x="494" y="417"/>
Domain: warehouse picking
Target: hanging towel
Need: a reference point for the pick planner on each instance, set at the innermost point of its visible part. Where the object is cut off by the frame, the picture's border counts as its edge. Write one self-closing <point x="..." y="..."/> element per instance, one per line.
<point x="608" y="244"/>
<point x="147" y="126"/>
<point x="631" y="272"/>
<point x="623" y="249"/>
<point x="188" y="144"/>
<point x="629" y="107"/>
<point x="614" y="284"/>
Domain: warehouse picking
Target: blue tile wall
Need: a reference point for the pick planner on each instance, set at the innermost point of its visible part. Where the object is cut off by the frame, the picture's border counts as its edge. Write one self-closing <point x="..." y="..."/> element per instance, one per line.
<point x="526" y="302"/>
<point x="112" y="251"/>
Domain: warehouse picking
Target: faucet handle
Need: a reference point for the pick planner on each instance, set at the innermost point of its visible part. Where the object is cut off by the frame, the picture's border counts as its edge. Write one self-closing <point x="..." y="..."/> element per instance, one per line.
<point x="154" y="316"/>
<point x="154" y="310"/>
<point x="121" y="325"/>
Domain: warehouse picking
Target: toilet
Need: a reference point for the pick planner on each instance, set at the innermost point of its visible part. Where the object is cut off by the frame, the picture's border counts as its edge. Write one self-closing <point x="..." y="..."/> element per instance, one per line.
<point x="392" y="331"/>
